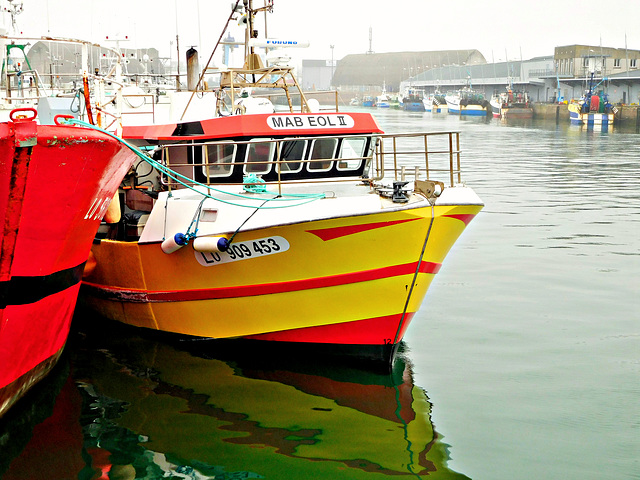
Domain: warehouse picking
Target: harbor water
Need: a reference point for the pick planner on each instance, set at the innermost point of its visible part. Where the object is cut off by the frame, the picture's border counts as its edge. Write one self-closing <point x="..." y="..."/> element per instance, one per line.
<point x="522" y="363"/>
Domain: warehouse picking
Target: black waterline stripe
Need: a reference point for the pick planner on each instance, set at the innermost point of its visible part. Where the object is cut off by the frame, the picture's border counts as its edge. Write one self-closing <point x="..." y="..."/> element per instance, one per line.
<point x="25" y="290"/>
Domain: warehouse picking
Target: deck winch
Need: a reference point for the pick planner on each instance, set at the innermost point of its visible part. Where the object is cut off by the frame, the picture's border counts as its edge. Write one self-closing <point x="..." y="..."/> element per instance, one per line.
<point x="399" y="193"/>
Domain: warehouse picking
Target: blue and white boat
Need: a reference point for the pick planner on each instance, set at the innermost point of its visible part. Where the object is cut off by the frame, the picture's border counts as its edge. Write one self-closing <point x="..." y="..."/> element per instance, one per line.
<point x="435" y="102"/>
<point x="368" y="101"/>
<point x="593" y="108"/>
<point x="382" y="100"/>
<point x="467" y="102"/>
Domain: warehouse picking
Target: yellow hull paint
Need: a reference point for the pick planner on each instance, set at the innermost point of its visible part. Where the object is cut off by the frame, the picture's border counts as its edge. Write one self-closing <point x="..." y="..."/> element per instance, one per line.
<point x="311" y="284"/>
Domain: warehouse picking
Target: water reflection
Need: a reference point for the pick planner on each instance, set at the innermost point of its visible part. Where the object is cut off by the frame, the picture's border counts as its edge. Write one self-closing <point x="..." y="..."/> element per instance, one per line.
<point x="135" y="408"/>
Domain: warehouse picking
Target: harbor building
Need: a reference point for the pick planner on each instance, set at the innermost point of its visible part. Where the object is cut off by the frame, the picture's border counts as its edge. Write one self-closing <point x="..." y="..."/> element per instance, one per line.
<point x="560" y="77"/>
<point x="371" y="72"/>
<point x="317" y="74"/>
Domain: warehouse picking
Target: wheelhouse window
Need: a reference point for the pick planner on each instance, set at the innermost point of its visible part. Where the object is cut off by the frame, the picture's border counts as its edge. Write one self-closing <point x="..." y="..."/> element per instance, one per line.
<point x="218" y="159"/>
<point x="352" y="152"/>
<point x="258" y="157"/>
<point x="323" y="150"/>
<point x="291" y="154"/>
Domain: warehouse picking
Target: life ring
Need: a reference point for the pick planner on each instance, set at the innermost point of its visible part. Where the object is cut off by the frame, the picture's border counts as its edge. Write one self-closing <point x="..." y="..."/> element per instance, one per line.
<point x="133" y="96"/>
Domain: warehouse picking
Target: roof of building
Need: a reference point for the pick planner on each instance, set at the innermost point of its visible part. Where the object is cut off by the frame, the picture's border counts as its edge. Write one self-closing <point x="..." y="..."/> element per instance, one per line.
<point x="393" y="67"/>
<point x="451" y="72"/>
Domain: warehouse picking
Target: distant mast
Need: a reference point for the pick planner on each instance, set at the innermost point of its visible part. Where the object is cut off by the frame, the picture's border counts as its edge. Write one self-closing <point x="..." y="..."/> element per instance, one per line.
<point x="15" y="8"/>
<point x="370" y="51"/>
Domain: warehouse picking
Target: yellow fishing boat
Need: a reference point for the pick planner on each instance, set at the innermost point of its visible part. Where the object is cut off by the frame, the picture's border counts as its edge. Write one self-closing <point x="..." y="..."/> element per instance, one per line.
<point x="305" y="229"/>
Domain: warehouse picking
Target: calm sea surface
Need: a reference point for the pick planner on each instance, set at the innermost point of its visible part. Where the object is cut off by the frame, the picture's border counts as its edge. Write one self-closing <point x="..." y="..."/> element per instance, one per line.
<point x="523" y="363"/>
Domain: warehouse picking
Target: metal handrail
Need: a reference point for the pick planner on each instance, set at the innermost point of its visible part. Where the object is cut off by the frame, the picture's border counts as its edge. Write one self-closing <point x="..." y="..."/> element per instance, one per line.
<point x="387" y="157"/>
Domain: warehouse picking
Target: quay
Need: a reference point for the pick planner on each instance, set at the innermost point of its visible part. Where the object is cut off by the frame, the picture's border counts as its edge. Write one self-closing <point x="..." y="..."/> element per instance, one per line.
<point x="626" y="114"/>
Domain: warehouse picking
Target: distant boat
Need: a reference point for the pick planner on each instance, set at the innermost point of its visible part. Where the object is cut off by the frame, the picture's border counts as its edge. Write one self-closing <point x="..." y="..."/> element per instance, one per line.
<point x="382" y="100"/>
<point x="593" y="108"/>
<point x="497" y="99"/>
<point x="435" y="102"/>
<point x="368" y="101"/>
<point x="412" y="101"/>
<point x="467" y="102"/>
<point x="511" y="104"/>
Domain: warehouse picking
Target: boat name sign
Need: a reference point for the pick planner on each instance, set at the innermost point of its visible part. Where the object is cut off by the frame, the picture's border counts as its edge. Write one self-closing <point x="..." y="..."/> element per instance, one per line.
<point x="280" y="122"/>
<point x="243" y="251"/>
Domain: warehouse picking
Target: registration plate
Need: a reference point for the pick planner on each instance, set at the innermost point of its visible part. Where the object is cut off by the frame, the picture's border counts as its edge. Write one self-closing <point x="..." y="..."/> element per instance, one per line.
<point x="237" y="251"/>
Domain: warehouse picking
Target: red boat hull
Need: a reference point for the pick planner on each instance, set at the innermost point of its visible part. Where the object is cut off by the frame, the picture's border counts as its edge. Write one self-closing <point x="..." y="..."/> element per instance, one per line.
<point x="56" y="183"/>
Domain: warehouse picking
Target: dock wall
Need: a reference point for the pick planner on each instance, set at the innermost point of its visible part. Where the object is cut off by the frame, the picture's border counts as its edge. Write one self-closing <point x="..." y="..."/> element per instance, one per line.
<point x="628" y="115"/>
<point x="551" y="111"/>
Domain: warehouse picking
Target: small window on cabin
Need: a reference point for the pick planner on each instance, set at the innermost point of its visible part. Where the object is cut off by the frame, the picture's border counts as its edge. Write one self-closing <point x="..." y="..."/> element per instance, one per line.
<point x="218" y="159"/>
<point x="259" y="157"/>
<point x="633" y="63"/>
<point x="322" y="152"/>
<point x="616" y="63"/>
<point x="291" y="154"/>
<point x="352" y="152"/>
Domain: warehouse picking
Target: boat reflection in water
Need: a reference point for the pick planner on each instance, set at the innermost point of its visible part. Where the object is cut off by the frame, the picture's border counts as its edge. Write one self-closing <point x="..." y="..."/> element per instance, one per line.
<point x="152" y="410"/>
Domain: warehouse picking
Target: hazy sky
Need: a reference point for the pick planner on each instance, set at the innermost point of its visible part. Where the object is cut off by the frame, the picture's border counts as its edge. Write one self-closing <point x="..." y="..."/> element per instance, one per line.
<point x="497" y="28"/>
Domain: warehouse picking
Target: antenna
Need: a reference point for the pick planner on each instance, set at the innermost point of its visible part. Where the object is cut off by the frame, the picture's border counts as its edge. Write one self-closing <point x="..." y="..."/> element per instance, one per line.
<point x="370" y="51"/>
<point x="14" y="9"/>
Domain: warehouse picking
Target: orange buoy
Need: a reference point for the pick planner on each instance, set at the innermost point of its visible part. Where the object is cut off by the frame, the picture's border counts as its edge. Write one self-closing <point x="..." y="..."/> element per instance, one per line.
<point x="113" y="211"/>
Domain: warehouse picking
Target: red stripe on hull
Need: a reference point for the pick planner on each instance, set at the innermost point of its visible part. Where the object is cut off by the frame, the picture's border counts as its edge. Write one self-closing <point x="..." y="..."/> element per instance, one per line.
<point x="464" y="217"/>
<point x="361" y="332"/>
<point x="144" y="296"/>
<point x="31" y="333"/>
<point x="337" y="232"/>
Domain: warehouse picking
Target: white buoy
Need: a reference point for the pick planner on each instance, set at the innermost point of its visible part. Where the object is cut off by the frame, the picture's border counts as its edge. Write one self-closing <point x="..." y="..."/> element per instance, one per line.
<point x="314" y="105"/>
<point x="174" y="243"/>
<point x="211" y="244"/>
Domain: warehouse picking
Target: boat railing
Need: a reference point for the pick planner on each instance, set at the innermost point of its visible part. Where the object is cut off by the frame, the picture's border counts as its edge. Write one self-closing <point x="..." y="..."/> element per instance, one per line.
<point x="147" y="99"/>
<point x="369" y="158"/>
<point x="328" y="100"/>
<point x="419" y="155"/>
<point x="37" y="67"/>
